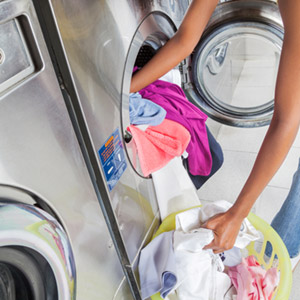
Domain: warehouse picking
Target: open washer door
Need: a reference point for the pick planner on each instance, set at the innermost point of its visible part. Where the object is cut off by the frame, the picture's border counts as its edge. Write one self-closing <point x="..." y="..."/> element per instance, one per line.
<point x="232" y="72"/>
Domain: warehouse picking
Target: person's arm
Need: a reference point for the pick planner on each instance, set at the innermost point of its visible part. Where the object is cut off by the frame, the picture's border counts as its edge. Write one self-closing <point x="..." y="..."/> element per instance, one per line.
<point x="178" y="47"/>
<point x="279" y="138"/>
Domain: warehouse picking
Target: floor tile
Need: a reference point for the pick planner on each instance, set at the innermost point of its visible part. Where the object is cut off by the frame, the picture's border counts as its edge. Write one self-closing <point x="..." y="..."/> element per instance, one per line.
<point x="243" y="97"/>
<point x="241" y="139"/>
<point x="226" y="184"/>
<point x="269" y="202"/>
<point x="214" y="127"/>
<point x="256" y="82"/>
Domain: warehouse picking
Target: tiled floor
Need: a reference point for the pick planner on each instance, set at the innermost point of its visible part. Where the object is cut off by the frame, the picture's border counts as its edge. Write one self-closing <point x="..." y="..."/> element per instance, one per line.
<point x="240" y="147"/>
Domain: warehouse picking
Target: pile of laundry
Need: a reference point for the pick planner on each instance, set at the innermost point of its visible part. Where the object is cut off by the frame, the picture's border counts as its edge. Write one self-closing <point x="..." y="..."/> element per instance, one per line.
<point x="176" y="125"/>
<point x="175" y="264"/>
<point x="164" y="124"/>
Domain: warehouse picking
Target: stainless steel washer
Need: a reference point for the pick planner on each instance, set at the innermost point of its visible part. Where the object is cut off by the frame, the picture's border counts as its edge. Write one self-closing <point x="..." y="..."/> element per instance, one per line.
<point x="63" y="115"/>
<point x="60" y="236"/>
<point x="240" y="49"/>
<point x="64" y="109"/>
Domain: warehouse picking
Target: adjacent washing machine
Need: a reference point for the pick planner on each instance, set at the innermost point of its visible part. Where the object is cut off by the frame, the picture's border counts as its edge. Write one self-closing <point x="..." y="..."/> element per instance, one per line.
<point x="232" y="72"/>
<point x="75" y="210"/>
<point x="54" y="238"/>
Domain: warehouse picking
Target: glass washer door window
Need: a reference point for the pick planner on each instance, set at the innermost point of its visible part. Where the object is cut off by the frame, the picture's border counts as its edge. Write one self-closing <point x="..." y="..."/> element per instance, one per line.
<point x="237" y="66"/>
<point x="233" y="69"/>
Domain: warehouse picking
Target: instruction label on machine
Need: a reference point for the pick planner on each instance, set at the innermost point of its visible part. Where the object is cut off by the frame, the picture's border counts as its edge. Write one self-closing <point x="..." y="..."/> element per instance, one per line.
<point x="112" y="159"/>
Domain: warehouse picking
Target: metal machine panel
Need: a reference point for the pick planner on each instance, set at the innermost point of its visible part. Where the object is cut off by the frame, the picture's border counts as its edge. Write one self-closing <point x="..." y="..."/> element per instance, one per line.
<point x="40" y="154"/>
<point x="123" y="293"/>
<point x="15" y="61"/>
<point x="238" y="38"/>
<point x="96" y="38"/>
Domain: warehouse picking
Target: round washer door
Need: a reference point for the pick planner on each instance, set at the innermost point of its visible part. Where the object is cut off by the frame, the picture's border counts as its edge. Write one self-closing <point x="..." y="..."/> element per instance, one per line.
<point x="232" y="72"/>
<point x="152" y="33"/>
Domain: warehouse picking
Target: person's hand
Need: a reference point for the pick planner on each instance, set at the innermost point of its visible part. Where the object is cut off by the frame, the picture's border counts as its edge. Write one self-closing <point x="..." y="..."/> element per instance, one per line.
<point x="225" y="227"/>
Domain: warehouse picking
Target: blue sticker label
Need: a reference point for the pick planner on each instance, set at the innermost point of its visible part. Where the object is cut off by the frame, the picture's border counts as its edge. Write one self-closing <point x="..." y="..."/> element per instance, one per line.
<point x="112" y="159"/>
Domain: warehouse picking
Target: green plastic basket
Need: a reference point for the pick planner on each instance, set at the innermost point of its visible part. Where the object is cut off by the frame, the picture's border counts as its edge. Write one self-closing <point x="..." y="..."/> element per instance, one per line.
<point x="279" y="253"/>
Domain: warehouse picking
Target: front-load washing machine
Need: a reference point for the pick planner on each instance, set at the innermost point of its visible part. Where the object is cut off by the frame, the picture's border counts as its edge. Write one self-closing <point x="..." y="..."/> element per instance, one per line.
<point x="74" y="212"/>
<point x="54" y="238"/>
<point x="231" y="74"/>
<point x="75" y="206"/>
<point x="90" y="44"/>
<point x="239" y="51"/>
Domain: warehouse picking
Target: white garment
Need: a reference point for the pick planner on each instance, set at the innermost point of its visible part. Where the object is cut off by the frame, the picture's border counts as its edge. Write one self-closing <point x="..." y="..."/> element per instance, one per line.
<point x="200" y="272"/>
<point x="172" y="76"/>
<point x="157" y="267"/>
<point x="232" y="257"/>
<point x="174" y="189"/>
<point x="192" y="241"/>
<point x="195" y="217"/>
<point x="231" y="294"/>
<point x="172" y="296"/>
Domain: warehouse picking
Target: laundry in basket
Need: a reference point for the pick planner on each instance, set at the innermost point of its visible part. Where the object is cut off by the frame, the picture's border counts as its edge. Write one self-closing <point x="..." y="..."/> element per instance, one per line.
<point x="284" y="268"/>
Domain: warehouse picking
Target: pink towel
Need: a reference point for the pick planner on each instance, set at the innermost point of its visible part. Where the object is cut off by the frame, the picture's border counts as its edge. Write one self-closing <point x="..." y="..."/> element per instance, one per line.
<point x="252" y="281"/>
<point x="159" y="144"/>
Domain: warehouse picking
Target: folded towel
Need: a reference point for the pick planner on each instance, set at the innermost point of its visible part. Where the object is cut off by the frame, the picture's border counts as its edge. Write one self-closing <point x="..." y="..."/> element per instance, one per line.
<point x="159" y="144"/>
<point x="143" y="111"/>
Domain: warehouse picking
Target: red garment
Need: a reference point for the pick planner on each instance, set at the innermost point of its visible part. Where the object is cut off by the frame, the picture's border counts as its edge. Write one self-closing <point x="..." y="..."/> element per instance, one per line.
<point x="159" y="144"/>
<point x="251" y="281"/>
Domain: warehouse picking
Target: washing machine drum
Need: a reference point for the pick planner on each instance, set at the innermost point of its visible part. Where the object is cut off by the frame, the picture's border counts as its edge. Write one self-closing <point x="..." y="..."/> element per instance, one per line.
<point x="232" y="72"/>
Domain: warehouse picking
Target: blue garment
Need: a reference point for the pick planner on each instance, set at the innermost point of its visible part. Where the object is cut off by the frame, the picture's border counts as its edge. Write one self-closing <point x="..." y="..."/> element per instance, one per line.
<point x="217" y="161"/>
<point x="287" y="221"/>
<point x="157" y="268"/>
<point x="143" y="111"/>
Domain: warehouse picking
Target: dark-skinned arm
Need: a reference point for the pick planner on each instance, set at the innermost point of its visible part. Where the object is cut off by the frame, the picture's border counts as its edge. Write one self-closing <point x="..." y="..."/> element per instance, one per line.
<point x="178" y="47"/>
<point x="279" y="138"/>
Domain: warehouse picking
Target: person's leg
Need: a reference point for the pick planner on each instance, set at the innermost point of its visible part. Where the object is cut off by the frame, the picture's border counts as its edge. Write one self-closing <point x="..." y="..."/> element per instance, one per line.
<point x="287" y="221"/>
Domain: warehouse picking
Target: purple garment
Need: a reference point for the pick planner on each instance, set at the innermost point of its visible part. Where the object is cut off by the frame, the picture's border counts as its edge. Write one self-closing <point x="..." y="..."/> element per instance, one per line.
<point x="172" y="98"/>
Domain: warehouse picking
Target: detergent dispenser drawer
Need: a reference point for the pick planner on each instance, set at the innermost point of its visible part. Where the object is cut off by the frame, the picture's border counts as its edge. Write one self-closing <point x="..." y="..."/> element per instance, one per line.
<point x="16" y="63"/>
